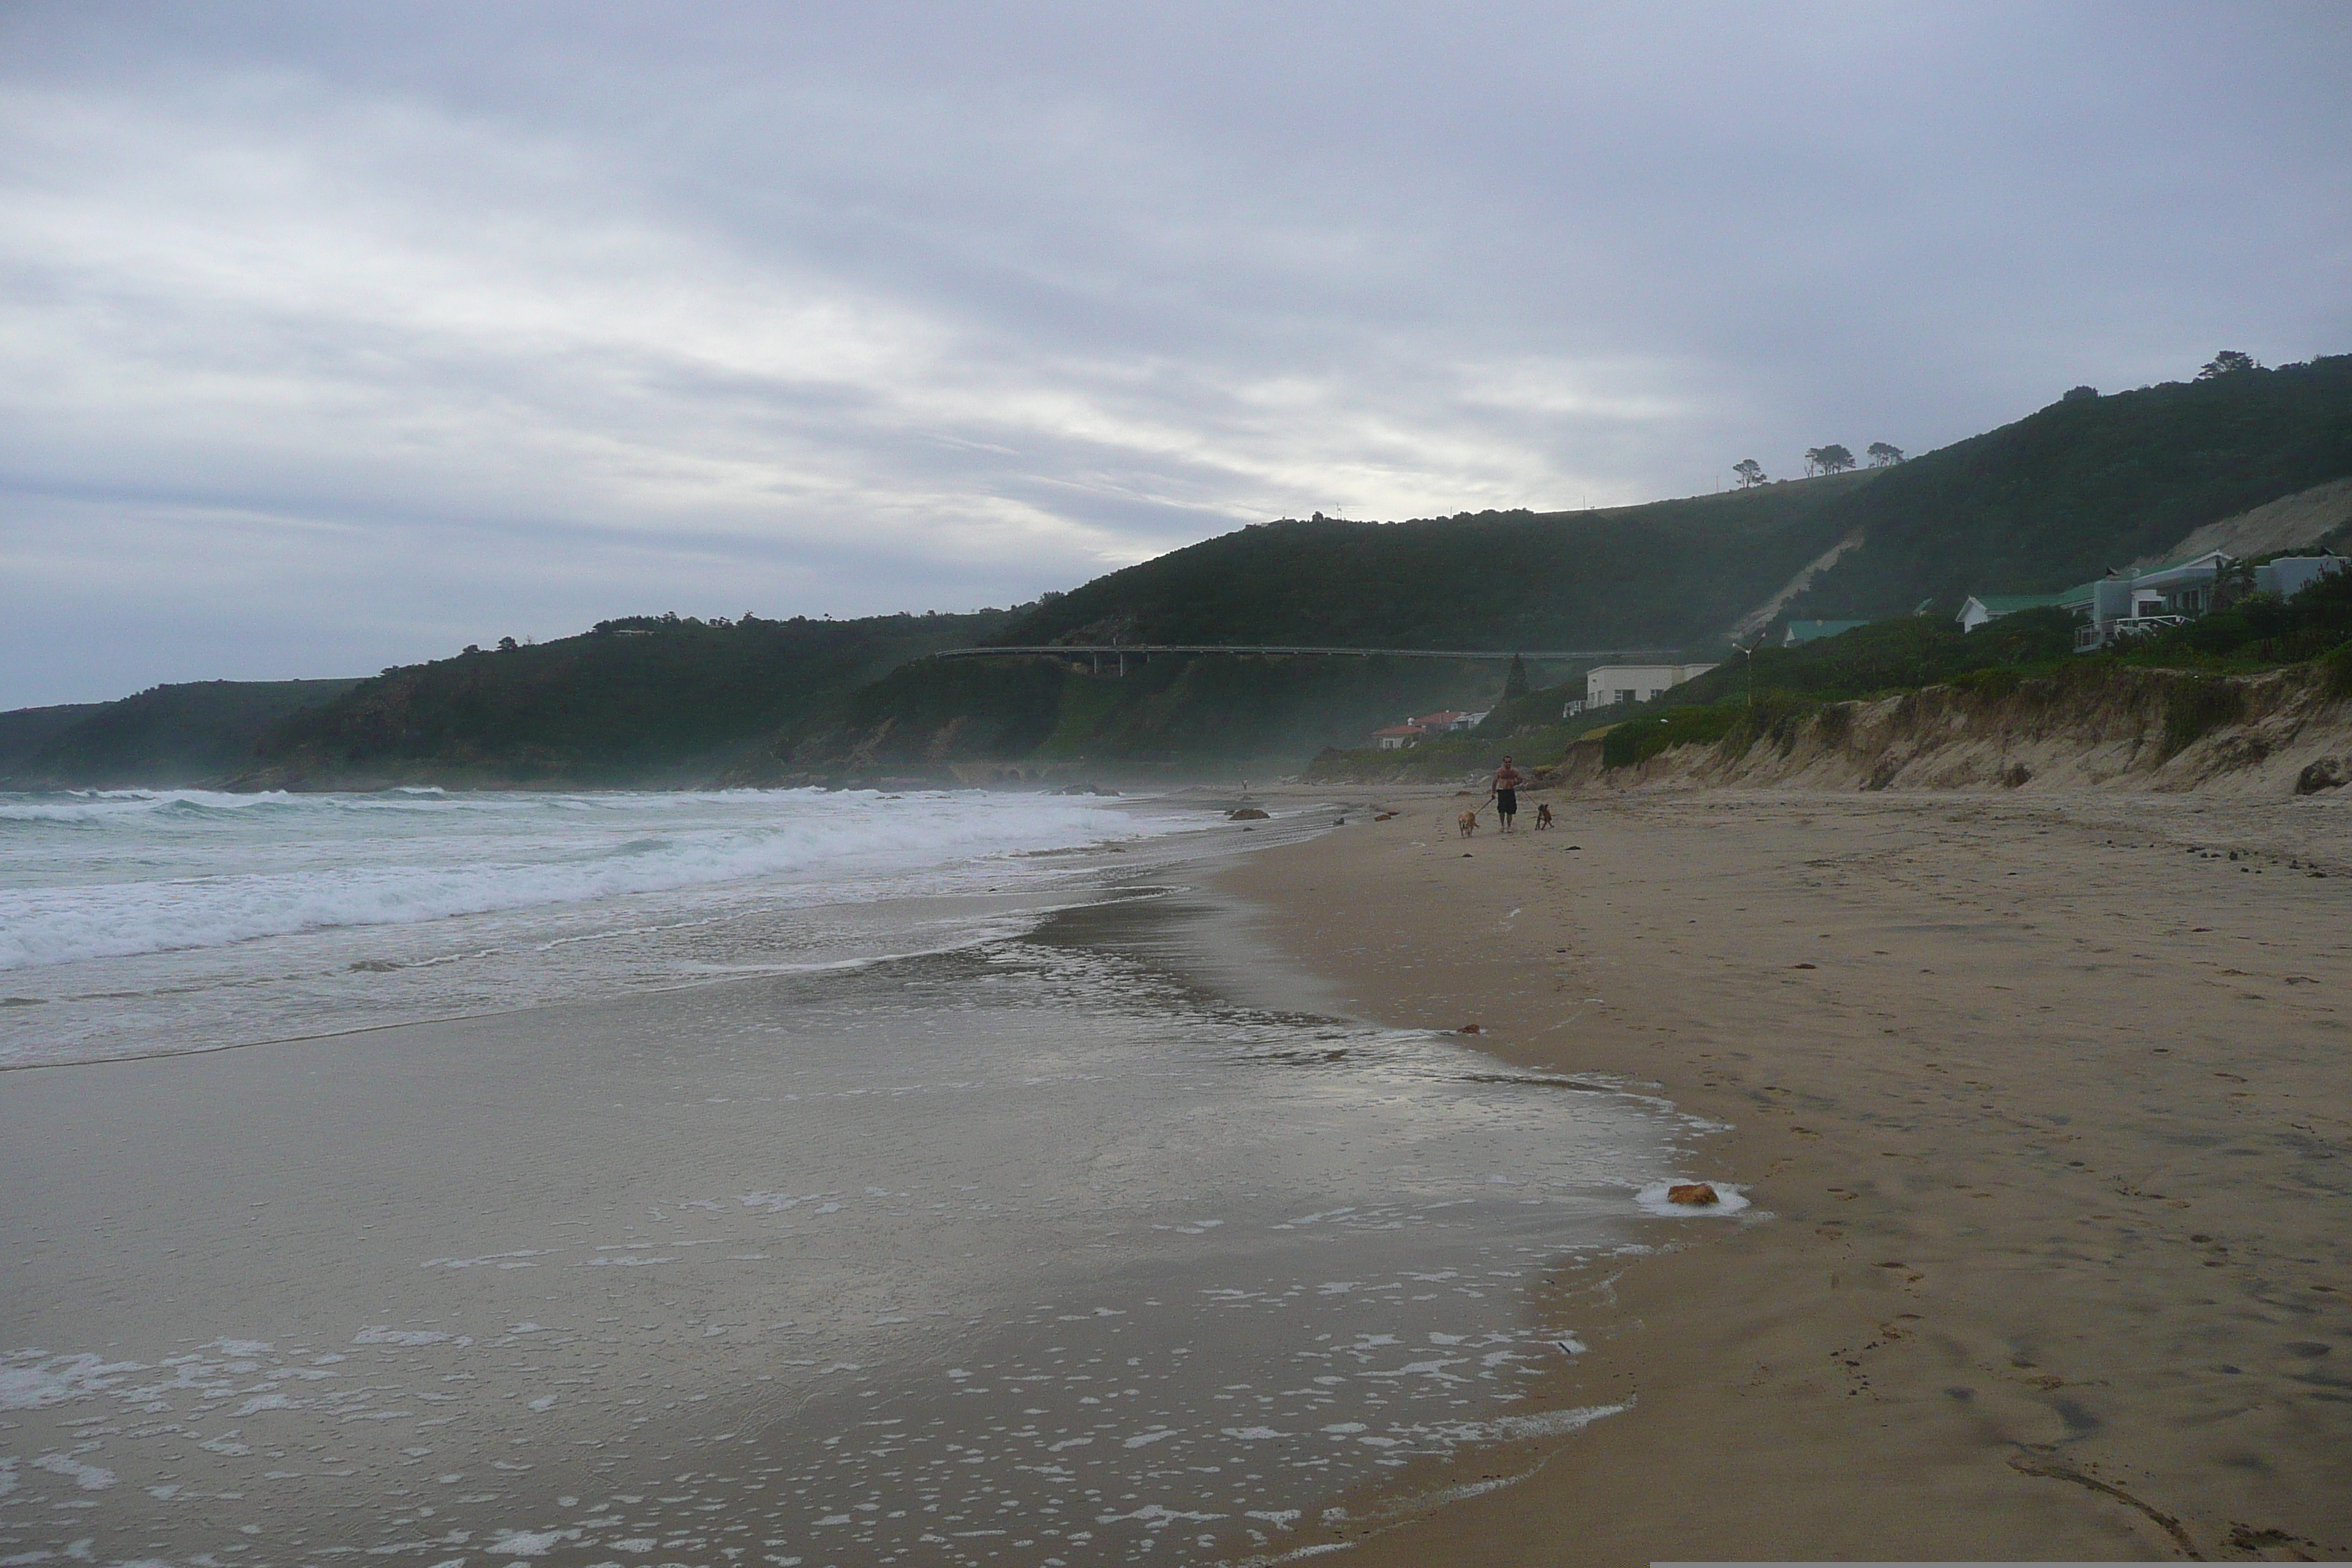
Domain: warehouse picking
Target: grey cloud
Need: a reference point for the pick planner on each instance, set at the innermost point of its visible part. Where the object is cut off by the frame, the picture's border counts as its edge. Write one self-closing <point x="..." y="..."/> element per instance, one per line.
<point x="373" y="331"/>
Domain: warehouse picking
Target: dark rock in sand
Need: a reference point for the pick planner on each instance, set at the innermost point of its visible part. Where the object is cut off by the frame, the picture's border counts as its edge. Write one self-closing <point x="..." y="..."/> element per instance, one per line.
<point x="1697" y="1194"/>
<point x="2329" y="772"/>
<point x="1246" y="814"/>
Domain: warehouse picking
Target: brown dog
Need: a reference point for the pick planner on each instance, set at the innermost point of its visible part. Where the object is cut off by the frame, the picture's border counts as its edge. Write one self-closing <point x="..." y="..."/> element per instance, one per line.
<point x="1543" y="815"/>
<point x="1467" y="821"/>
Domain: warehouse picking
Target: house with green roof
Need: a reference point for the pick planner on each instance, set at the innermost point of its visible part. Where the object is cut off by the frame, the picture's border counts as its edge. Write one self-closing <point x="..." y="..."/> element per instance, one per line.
<point x="2126" y="602"/>
<point x="1979" y="608"/>
<point x="2129" y="604"/>
<point x="1800" y="632"/>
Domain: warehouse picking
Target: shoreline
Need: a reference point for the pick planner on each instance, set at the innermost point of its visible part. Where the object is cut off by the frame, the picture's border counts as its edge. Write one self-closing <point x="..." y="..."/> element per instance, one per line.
<point x="492" y="1279"/>
<point x="356" y="970"/>
<point x="2040" y="1103"/>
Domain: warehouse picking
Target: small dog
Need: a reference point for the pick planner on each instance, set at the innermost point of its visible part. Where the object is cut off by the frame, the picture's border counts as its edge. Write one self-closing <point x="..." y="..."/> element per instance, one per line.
<point x="1468" y="822"/>
<point x="1543" y="815"/>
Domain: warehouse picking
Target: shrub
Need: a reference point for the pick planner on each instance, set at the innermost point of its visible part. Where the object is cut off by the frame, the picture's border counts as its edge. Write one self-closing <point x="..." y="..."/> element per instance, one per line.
<point x="1636" y="740"/>
<point x="1992" y="685"/>
<point x="2194" y="706"/>
<point x="1781" y="715"/>
<point x="2336" y="670"/>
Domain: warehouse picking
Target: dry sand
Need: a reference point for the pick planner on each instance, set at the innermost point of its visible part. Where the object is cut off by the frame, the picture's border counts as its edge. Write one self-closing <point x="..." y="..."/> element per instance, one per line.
<point x="2045" y="1120"/>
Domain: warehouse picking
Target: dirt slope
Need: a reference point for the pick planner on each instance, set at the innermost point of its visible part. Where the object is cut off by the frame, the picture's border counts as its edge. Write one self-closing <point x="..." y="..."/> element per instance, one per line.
<point x="2292" y="522"/>
<point x="2280" y="734"/>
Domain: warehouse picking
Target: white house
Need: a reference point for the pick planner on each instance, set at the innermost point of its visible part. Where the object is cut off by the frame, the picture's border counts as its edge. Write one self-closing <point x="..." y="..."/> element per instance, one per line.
<point x="2290" y="575"/>
<point x="1979" y="608"/>
<point x="2128" y="604"/>
<point x="1799" y="633"/>
<point x="1614" y="683"/>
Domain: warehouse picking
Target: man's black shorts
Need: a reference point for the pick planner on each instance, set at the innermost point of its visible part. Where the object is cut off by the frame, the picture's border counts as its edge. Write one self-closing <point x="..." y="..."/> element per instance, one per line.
<point x="1506" y="801"/>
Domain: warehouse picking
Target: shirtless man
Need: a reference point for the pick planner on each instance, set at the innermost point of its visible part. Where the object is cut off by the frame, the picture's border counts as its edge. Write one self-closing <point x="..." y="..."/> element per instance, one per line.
<point x="1506" y="793"/>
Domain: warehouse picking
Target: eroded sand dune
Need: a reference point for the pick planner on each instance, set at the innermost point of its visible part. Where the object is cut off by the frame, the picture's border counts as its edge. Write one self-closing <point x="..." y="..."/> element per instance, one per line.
<point x="2270" y="735"/>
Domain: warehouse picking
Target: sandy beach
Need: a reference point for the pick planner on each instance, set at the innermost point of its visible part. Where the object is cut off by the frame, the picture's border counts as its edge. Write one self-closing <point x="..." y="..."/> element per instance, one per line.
<point x="2032" y="1109"/>
<point x="2041" y="1102"/>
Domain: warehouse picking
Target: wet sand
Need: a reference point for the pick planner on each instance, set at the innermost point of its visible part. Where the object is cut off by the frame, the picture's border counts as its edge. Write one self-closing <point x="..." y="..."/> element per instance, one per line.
<point x="2043" y="1105"/>
<point x="1084" y="1246"/>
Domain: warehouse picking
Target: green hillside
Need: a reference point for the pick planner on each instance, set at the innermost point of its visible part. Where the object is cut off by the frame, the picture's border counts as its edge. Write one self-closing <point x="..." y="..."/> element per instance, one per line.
<point x="2087" y="484"/>
<point x="2049" y="502"/>
<point x="2056" y="498"/>
<point x="637" y="699"/>
<point x="1662" y="575"/>
<point x="25" y="730"/>
<point x="1163" y="710"/>
<point x="169" y="736"/>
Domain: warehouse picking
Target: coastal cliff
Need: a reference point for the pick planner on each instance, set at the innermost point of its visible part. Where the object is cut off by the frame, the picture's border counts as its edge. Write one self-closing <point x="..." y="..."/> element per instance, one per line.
<point x="2278" y="733"/>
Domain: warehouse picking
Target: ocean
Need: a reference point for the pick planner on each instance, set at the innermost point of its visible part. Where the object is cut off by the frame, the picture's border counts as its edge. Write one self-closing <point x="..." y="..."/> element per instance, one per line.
<point x="133" y="921"/>
<point x="748" y="1177"/>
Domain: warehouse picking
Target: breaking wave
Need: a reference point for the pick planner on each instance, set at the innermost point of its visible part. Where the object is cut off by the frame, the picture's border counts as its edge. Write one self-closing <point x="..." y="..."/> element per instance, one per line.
<point x="159" y="879"/>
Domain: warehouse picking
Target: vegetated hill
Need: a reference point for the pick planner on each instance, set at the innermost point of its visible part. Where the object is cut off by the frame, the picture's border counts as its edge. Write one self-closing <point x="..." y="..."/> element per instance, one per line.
<point x="638" y="701"/>
<point x="2053" y="499"/>
<point x="25" y="730"/>
<point x="2087" y="484"/>
<point x="1897" y="655"/>
<point x="165" y="737"/>
<point x="1661" y="575"/>
<point x="1163" y="710"/>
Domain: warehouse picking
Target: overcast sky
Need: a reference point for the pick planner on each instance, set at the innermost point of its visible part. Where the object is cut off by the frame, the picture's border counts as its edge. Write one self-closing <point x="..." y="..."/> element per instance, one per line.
<point x="333" y="336"/>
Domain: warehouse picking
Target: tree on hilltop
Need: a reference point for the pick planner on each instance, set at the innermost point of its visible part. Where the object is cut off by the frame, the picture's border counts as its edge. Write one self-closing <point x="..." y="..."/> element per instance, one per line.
<point x="1749" y="470"/>
<point x="2229" y="361"/>
<point x="1829" y="459"/>
<point x="1514" y="682"/>
<point x="1883" y="454"/>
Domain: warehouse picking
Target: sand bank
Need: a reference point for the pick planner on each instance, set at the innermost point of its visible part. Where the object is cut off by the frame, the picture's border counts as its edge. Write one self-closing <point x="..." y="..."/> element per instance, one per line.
<point x="2042" y="1104"/>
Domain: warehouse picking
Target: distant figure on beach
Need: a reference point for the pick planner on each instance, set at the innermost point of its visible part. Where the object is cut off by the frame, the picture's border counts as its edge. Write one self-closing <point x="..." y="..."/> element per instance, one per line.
<point x="1506" y="793"/>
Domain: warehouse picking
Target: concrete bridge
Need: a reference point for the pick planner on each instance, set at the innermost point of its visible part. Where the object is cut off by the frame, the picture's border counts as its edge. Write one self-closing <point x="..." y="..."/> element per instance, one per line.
<point x="1097" y="652"/>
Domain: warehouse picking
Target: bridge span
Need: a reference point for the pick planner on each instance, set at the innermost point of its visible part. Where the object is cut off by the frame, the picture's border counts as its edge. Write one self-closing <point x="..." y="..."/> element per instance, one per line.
<point x="1099" y="651"/>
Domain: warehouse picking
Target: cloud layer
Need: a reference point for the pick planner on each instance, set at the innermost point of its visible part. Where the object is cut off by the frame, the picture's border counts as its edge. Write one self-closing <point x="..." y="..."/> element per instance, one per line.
<point x="336" y="337"/>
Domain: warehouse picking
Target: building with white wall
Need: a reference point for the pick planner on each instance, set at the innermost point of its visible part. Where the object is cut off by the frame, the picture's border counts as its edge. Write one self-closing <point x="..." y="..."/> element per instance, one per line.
<point x="2287" y="575"/>
<point x="1614" y="683"/>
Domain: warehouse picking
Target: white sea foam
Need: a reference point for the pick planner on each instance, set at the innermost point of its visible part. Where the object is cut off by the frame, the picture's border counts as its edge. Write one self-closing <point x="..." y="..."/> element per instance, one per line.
<point x="377" y="1335"/>
<point x="90" y="1478"/>
<point x="1519" y="1429"/>
<point x="527" y="1542"/>
<point x="346" y="860"/>
<point x="1728" y="1199"/>
<point x="31" y="1381"/>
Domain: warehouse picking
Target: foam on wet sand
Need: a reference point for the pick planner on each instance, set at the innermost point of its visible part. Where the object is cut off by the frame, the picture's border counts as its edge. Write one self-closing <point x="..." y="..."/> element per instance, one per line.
<point x="1039" y="1246"/>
